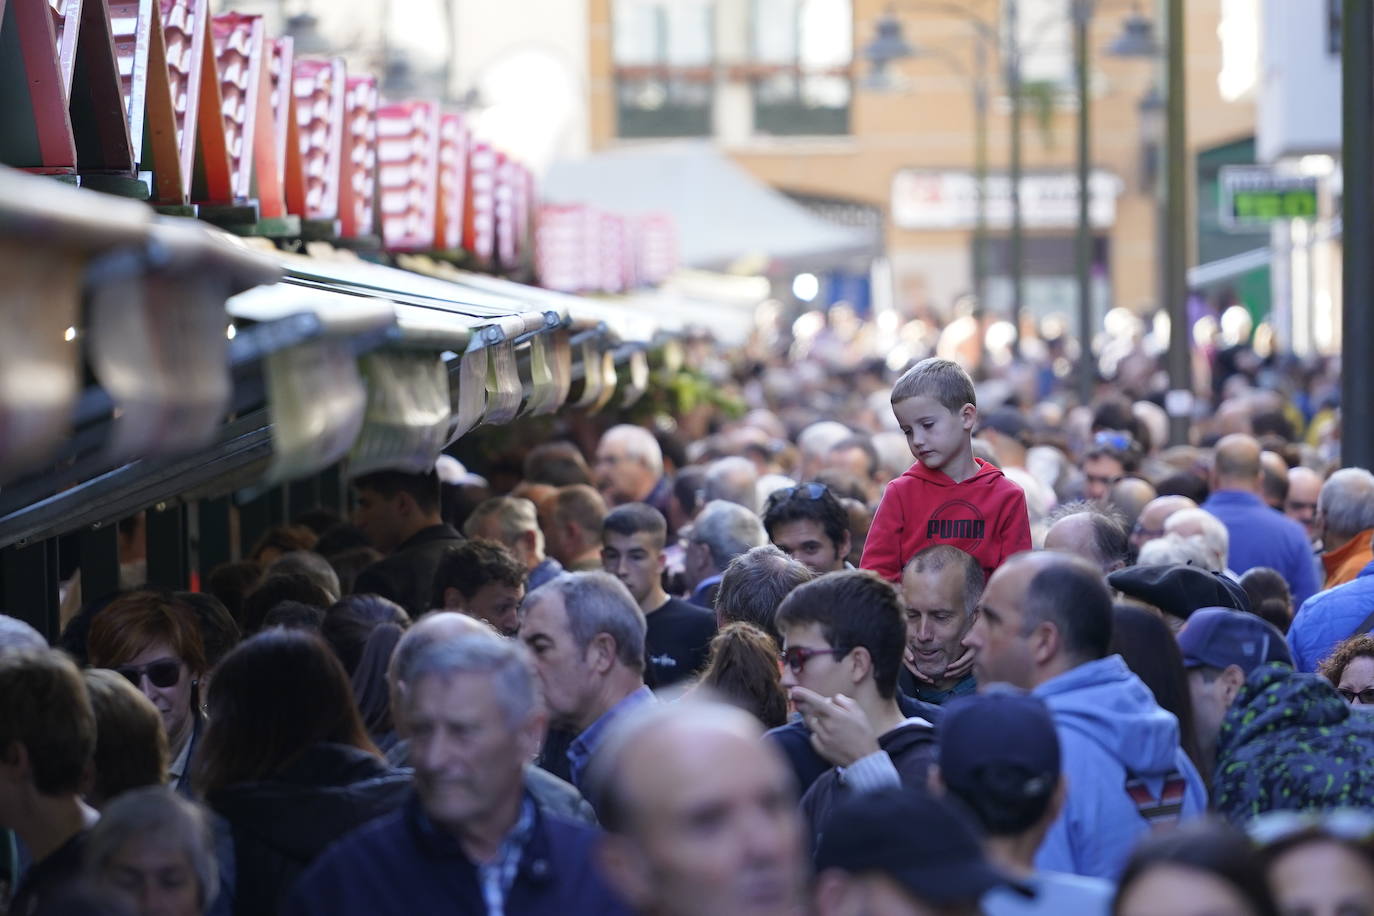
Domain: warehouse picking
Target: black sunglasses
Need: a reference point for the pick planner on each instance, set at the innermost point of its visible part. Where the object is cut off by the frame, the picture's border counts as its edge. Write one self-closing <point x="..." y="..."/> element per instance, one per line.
<point x="811" y="491"/>
<point x="796" y="657"/>
<point x="1366" y="696"/>
<point x="164" y="672"/>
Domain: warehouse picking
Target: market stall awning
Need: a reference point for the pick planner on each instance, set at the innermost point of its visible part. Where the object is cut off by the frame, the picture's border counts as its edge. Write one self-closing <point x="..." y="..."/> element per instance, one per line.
<point x="722" y="213"/>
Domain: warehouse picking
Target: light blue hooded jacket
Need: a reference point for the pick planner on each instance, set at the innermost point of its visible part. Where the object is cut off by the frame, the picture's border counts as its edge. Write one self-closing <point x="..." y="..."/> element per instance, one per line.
<point x="1110" y="730"/>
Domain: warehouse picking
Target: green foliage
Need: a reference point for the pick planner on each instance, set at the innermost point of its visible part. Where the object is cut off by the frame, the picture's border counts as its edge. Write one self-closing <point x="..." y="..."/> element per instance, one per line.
<point x="1039" y="97"/>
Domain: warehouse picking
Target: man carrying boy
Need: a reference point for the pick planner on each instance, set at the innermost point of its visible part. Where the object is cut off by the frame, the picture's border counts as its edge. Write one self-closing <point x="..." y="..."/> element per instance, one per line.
<point x="948" y="496"/>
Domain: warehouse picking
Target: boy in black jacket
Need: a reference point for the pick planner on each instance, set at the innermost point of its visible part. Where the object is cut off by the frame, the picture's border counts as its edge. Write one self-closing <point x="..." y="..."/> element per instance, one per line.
<point x="843" y="638"/>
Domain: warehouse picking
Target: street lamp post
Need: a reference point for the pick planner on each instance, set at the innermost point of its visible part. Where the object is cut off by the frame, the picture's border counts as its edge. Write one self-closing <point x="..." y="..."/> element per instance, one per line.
<point x="1018" y="278"/>
<point x="1087" y="369"/>
<point x="1357" y="146"/>
<point x="1136" y="40"/>
<point x="889" y="45"/>
<point x="1179" y="402"/>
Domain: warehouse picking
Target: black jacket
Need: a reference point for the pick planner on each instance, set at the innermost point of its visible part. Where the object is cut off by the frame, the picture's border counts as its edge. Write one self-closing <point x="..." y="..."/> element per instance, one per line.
<point x="280" y="825"/>
<point x="407" y="576"/>
<point x="794" y="740"/>
<point x="404" y="865"/>
<point x="912" y="748"/>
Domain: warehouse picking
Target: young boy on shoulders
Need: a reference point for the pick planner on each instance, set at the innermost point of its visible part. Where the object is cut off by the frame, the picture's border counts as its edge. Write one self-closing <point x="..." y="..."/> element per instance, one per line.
<point x="948" y="496"/>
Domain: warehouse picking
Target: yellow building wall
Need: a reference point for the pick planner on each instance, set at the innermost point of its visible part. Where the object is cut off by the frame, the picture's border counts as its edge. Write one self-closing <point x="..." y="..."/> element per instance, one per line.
<point x="927" y="122"/>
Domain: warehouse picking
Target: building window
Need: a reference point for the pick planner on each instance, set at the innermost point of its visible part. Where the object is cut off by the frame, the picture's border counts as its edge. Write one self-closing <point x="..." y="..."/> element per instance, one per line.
<point x="664" y="54"/>
<point x="801" y="56"/>
<point x="1044" y="31"/>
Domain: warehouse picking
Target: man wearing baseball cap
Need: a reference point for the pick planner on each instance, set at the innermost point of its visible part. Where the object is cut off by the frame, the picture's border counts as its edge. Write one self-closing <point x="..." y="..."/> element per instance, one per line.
<point x="999" y="758"/>
<point x="1282" y="740"/>
<point x="870" y="860"/>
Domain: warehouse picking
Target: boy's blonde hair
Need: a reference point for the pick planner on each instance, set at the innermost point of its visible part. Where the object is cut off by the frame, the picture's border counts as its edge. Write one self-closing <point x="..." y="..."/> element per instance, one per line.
<point x="941" y="379"/>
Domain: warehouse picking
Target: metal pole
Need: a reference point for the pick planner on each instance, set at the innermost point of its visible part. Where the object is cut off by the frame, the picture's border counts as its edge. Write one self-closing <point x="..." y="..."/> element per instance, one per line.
<point x="1014" y="90"/>
<point x="980" y="167"/>
<point x="1357" y="295"/>
<point x="1087" y="367"/>
<point x="1180" y="401"/>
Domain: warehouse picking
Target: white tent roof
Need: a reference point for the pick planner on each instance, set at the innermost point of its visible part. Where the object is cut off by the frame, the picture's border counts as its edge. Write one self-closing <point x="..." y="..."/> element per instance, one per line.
<point x="722" y="213"/>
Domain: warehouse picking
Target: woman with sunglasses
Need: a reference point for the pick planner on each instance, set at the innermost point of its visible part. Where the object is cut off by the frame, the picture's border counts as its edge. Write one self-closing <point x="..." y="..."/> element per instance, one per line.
<point x="1351" y="669"/>
<point x="1318" y="864"/>
<point x="154" y="640"/>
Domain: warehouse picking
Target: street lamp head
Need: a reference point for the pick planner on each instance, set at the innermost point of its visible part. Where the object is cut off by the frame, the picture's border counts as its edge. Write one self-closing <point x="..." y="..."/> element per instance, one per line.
<point x="888" y="44"/>
<point x="1137" y="38"/>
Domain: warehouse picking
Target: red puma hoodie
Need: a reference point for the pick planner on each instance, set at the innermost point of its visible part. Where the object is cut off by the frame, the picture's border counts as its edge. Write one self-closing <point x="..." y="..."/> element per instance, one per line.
<point x="984" y="516"/>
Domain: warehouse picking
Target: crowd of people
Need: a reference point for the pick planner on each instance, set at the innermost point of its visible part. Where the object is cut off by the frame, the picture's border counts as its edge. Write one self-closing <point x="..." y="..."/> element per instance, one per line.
<point x="887" y="646"/>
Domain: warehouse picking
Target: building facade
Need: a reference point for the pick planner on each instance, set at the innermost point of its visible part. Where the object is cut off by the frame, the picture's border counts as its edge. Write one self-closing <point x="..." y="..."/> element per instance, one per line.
<point x="784" y="87"/>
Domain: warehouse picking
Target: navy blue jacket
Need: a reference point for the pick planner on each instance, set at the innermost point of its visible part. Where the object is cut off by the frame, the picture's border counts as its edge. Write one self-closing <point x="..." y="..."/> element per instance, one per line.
<point x="794" y="740"/>
<point x="403" y="864"/>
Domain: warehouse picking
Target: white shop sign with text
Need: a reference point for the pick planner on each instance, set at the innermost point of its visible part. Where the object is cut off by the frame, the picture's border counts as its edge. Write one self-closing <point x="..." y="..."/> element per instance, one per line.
<point x="929" y="199"/>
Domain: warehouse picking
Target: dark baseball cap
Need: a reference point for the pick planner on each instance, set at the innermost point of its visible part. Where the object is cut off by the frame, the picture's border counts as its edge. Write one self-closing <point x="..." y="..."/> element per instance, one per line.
<point x="1217" y="637"/>
<point x="1000" y="745"/>
<point x="921" y="842"/>
<point x="1178" y="589"/>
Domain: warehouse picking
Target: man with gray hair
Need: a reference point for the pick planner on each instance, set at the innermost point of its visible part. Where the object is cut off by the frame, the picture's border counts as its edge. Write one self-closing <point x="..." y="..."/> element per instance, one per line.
<point x="940" y="588"/>
<point x="514" y="522"/>
<point x="722" y="531"/>
<point x="629" y="468"/>
<point x="815" y="443"/>
<point x="586" y="633"/>
<point x="753" y="586"/>
<point x="1206" y="532"/>
<point x="1345" y="515"/>
<point x="471" y="839"/>
<point x="734" y="479"/>
<point x="440" y="628"/>
<point x="1093" y="531"/>
<point x="15" y="634"/>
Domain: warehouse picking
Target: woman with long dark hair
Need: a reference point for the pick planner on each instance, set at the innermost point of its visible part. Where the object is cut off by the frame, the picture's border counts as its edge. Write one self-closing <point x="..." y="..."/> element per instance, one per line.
<point x="287" y="762"/>
<point x="1150" y="649"/>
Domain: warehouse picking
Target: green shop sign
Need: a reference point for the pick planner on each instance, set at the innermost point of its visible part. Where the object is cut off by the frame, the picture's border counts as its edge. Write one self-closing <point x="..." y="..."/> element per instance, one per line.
<point x="1252" y="197"/>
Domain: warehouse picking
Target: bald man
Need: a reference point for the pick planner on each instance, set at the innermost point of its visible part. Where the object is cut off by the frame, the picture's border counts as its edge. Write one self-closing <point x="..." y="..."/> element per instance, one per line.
<point x="1259" y="535"/>
<point x="1044" y="624"/>
<point x="1150" y="525"/>
<point x="629" y="468"/>
<point x="701" y="815"/>
<point x="1273" y="479"/>
<point x="1087" y="530"/>
<point x="1304" y="487"/>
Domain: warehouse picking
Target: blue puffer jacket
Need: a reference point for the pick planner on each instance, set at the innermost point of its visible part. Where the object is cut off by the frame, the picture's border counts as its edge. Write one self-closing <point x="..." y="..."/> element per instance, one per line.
<point x="1111" y="732"/>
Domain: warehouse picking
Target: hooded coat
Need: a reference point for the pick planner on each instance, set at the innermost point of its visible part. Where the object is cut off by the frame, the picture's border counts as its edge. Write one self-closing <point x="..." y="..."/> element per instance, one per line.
<point x="984" y="516"/>
<point x="1290" y="743"/>
<point x="912" y="749"/>
<point x="1111" y="734"/>
<point x="281" y="825"/>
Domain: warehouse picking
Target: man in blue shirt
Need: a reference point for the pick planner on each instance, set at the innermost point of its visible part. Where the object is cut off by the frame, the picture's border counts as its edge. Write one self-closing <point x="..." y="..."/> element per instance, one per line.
<point x="1330" y="617"/>
<point x="1259" y="535"/>
<point x="587" y="636"/>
